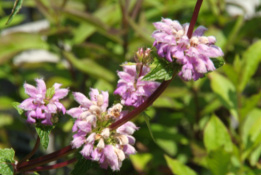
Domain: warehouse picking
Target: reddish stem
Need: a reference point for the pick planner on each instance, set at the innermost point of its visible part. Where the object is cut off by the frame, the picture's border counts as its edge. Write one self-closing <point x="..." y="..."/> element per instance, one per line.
<point x="28" y="156"/>
<point x="55" y="166"/>
<point x="194" y="18"/>
<point x="45" y="159"/>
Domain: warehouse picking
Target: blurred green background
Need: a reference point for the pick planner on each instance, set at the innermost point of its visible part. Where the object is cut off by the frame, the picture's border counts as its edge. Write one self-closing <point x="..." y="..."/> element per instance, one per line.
<point x="208" y="127"/>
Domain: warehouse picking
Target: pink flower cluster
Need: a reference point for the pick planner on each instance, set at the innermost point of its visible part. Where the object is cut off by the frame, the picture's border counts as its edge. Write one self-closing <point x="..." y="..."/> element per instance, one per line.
<point x="40" y="107"/>
<point x="92" y="135"/>
<point x="193" y="53"/>
<point x="131" y="88"/>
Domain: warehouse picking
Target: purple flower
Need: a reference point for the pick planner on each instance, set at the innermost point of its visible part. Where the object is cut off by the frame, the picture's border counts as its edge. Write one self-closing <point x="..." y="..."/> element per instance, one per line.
<point x="193" y="53"/>
<point x="92" y="135"/>
<point x="39" y="106"/>
<point x="133" y="90"/>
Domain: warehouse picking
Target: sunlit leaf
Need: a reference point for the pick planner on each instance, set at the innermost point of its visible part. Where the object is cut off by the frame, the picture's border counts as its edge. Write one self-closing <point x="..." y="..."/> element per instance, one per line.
<point x="44" y="132"/>
<point x="7" y="161"/>
<point x="177" y="167"/>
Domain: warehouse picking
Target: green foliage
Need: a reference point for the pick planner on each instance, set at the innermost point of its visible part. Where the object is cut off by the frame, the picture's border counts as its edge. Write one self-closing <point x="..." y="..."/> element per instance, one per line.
<point x="216" y="135"/>
<point x="81" y="166"/>
<point x="44" y="132"/>
<point x="7" y="161"/>
<point x="162" y="72"/>
<point x="177" y="167"/>
<point x="50" y="93"/>
<point x="211" y="126"/>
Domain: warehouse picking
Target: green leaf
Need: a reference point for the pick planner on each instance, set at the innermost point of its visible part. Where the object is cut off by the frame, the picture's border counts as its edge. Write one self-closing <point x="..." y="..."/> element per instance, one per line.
<point x="166" y="138"/>
<point x="218" y="62"/>
<point x="219" y="161"/>
<point x="50" y="92"/>
<point x="90" y="67"/>
<point x="147" y="120"/>
<point x="81" y="167"/>
<point x="251" y="132"/>
<point x="43" y="132"/>
<point x="216" y="135"/>
<point x="6" y="161"/>
<point x="17" y="6"/>
<point x="251" y="60"/>
<point x="250" y="104"/>
<point x="140" y="161"/>
<point x="226" y="91"/>
<point x="178" y="168"/>
<point x="255" y="155"/>
<point x="14" y="43"/>
<point x="19" y="110"/>
<point x="163" y="71"/>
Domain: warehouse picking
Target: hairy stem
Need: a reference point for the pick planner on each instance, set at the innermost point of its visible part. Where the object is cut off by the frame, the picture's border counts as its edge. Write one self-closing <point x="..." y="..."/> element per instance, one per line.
<point x="194" y="18"/>
<point x="45" y="159"/>
<point x="55" y="166"/>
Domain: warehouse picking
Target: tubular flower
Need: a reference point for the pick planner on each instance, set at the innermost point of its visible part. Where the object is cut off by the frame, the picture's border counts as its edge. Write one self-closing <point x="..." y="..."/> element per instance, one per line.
<point x="43" y="103"/>
<point x="193" y="53"/>
<point x="131" y="88"/>
<point x="92" y="135"/>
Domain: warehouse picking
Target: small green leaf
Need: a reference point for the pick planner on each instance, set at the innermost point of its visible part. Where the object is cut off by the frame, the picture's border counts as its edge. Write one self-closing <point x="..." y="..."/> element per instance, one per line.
<point x="219" y="161"/>
<point x="147" y="120"/>
<point x="82" y="166"/>
<point x="17" y="6"/>
<point x="251" y="60"/>
<point x="50" y="92"/>
<point x="250" y="104"/>
<point x="216" y="135"/>
<point x="226" y="91"/>
<point x="178" y="168"/>
<point x="163" y="71"/>
<point x="6" y="161"/>
<point x="16" y="106"/>
<point x="218" y="62"/>
<point x="43" y="132"/>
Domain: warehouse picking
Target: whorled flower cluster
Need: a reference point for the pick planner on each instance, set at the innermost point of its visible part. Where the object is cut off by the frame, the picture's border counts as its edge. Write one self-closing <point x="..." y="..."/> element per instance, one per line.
<point x="92" y="135"/>
<point x="40" y="106"/>
<point x="132" y="89"/>
<point x="193" y="53"/>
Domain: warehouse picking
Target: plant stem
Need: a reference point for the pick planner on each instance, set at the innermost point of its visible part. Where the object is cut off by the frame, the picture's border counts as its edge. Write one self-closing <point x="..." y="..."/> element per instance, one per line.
<point x="194" y="18"/>
<point x="55" y="166"/>
<point x="28" y="156"/>
<point x="45" y="159"/>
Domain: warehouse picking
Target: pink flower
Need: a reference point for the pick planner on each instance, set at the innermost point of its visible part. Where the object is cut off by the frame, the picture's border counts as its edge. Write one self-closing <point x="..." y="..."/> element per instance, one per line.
<point x="192" y="53"/>
<point x="133" y="90"/>
<point x="40" y="107"/>
<point x="92" y="135"/>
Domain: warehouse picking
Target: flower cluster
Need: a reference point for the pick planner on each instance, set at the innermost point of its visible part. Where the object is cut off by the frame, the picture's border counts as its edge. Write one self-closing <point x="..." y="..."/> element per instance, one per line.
<point x="43" y="103"/>
<point x="131" y="88"/>
<point x="193" y="53"/>
<point x="91" y="132"/>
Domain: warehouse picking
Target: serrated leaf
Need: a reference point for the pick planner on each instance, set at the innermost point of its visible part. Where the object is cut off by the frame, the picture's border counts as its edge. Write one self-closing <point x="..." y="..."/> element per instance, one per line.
<point x="43" y="132"/>
<point x="16" y="106"/>
<point x="216" y="135"/>
<point x="81" y="167"/>
<point x="50" y="92"/>
<point x="147" y="120"/>
<point x="218" y="62"/>
<point x="163" y="71"/>
<point x="226" y="91"/>
<point x="251" y="60"/>
<point x="17" y="6"/>
<point x="6" y="161"/>
<point x="219" y="161"/>
<point x="177" y="167"/>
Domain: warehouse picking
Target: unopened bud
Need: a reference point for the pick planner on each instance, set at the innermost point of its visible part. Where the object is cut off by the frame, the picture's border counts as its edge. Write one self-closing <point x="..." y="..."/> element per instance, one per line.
<point x="54" y="119"/>
<point x="105" y="133"/>
<point x="139" y="55"/>
<point x="100" y="100"/>
<point x="95" y="109"/>
<point x="101" y="144"/>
